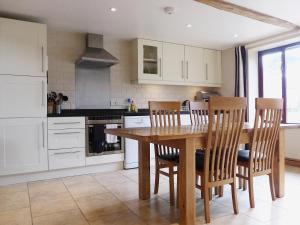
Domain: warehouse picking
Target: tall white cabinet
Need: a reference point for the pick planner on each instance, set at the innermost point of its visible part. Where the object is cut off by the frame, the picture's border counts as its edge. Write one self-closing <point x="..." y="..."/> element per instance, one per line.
<point x="23" y="97"/>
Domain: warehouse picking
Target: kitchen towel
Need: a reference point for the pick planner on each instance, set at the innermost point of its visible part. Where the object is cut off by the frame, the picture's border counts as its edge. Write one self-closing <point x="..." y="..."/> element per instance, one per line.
<point x="111" y="139"/>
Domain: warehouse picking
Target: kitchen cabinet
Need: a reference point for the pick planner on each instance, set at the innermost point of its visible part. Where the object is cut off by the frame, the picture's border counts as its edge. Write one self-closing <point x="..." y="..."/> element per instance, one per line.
<point x="23" y="96"/>
<point x="173" y="65"/>
<point x="23" y="48"/>
<point x="23" y="145"/>
<point x="148" y="56"/>
<point x="194" y="68"/>
<point x="212" y="63"/>
<point x="66" y="142"/>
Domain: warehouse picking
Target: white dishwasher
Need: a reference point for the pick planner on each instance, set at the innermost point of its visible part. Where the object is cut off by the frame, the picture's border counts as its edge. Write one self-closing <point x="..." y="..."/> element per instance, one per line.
<point x="131" y="146"/>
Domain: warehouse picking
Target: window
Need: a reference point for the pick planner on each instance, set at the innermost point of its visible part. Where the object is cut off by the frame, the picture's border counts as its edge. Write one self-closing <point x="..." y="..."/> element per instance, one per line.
<point x="279" y="77"/>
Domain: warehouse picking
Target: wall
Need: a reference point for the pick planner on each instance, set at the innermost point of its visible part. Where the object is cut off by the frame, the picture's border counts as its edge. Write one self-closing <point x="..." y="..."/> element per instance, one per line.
<point x="65" y="47"/>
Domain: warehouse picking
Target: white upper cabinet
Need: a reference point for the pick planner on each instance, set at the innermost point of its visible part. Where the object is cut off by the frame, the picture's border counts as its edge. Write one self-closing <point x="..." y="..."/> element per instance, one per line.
<point x="23" y="145"/>
<point x="158" y="62"/>
<point x="23" y="96"/>
<point x="23" y="48"/>
<point x="194" y="65"/>
<point x="173" y="62"/>
<point x="212" y="63"/>
<point x="149" y="54"/>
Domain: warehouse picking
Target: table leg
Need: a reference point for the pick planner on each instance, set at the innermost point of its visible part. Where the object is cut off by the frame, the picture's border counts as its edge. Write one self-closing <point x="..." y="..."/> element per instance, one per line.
<point x="187" y="201"/>
<point x="279" y="165"/>
<point x="144" y="170"/>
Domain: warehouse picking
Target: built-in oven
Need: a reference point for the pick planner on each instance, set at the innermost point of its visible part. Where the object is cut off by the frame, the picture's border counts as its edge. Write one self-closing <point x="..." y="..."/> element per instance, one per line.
<point x="99" y="143"/>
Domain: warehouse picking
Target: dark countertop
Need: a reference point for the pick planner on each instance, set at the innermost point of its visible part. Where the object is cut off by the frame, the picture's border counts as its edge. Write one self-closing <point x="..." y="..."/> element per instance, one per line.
<point x="102" y="112"/>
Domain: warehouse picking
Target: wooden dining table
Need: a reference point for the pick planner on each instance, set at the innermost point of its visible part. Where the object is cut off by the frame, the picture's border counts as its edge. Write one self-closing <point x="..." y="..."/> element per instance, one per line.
<point x="187" y="139"/>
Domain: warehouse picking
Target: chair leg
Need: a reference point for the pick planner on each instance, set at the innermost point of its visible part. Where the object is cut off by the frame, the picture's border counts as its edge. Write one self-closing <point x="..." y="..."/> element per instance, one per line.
<point x="216" y="190"/>
<point x="244" y="180"/>
<point x="271" y="180"/>
<point x="240" y="179"/>
<point x="156" y="183"/>
<point x="251" y="192"/>
<point x="221" y="191"/>
<point x="177" y="190"/>
<point x="210" y="194"/>
<point x="171" y="182"/>
<point x="234" y="198"/>
<point x="202" y="185"/>
<point x="206" y="204"/>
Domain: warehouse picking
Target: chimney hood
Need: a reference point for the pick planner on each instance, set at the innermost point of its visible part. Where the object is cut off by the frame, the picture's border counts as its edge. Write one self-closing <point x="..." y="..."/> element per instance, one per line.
<point x="95" y="56"/>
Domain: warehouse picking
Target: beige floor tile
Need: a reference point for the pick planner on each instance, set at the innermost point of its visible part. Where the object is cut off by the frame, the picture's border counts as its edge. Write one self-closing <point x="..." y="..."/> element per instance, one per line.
<point x="82" y="186"/>
<point x="111" y="179"/>
<point x="71" y="217"/>
<point x="121" y="218"/>
<point x="48" y="204"/>
<point x="125" y="191"/>
<point x="16" y="217"/>
<point x="48" y="187"/>
<point x="13" y="188"/>
<point x="93" y="207"/>
<point x="15" y="200"/>
<point x="239" y="219"/>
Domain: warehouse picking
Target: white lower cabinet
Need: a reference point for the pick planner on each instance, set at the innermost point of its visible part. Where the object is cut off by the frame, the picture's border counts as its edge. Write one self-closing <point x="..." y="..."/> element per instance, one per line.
<point x="23" y="145"/>
<point x="66" y="158"/>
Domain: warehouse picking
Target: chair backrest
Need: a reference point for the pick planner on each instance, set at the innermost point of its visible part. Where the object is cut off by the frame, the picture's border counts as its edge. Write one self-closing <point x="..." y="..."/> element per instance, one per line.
<point x="199" y="113"/>
<point x="164" y="114"/>
<point x="224" y="132"/>
<point x="266" y="131"/>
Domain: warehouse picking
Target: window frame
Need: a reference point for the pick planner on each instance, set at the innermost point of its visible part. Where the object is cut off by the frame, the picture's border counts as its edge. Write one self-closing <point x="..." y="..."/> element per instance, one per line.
<point x="281" y="49"/>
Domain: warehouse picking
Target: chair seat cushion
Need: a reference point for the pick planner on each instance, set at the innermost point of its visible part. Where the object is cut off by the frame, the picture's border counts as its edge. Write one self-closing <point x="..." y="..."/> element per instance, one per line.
<point x="170" y="157"/>
<point x="243" y="155"/>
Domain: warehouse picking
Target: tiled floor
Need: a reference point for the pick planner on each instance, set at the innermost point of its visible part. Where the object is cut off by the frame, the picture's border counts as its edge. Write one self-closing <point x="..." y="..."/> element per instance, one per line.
<point x="112" y="199"/>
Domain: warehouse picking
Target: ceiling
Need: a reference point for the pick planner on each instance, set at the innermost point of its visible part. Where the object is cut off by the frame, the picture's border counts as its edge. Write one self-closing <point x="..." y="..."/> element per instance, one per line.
<point x="211" y="28"/>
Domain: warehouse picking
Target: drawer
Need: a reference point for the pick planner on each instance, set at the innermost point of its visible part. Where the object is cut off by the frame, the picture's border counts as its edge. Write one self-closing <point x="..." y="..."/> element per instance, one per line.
<point x="60" y="123"/>
<point x="67" y="138"/>
<point x="66" y="158"/>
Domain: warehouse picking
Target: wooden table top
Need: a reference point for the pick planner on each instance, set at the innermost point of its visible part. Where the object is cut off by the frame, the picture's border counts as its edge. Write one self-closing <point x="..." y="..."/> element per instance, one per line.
<point x="178" y="132"/>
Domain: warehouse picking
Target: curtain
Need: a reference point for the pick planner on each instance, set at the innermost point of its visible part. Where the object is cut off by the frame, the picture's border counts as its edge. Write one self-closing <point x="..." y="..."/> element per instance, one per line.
<point x="241" y="73"/>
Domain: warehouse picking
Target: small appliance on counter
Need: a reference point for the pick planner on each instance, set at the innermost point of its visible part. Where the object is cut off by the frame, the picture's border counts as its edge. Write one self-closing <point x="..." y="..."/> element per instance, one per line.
<point x="205" y="95"/>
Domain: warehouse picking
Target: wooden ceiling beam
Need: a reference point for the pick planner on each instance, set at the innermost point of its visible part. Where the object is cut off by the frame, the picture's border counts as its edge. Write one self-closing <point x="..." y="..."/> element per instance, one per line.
<point x="246" y="12"/>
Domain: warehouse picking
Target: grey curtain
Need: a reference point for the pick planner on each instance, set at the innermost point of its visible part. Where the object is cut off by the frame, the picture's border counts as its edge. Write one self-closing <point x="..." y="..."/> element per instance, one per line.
<point x="241" y="73"/>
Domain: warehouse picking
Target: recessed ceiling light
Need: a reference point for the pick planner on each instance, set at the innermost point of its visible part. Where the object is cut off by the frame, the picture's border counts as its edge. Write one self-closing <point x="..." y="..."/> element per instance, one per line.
<point x="113" y="9"/>
<point x="235" y="35"/>
<point x="189" y="25"/>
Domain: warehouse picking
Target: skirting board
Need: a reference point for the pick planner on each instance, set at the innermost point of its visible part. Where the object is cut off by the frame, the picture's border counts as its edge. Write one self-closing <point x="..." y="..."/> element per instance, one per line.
<point x="292" y="162"/>
<point x="14" y="179"/>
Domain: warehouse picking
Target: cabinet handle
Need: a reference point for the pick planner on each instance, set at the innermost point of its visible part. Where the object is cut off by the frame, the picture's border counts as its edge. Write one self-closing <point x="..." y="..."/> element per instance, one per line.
<point x="43" y="59"/>
<point x="62" y="153"/>
<point x="206" y="71"/>
<point x="75" y="132"/>
<point x="187" y="70"/>
<point x="182" y="69"/>
<point x="160" y="67"/>
<point x="43" y="134"/>
<point x="63" y="123"/>
<point x="43" y="94"/>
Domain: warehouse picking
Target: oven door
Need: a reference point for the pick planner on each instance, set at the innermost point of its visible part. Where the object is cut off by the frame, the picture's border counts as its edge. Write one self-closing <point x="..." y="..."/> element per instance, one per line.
<point x="99" y="143"/>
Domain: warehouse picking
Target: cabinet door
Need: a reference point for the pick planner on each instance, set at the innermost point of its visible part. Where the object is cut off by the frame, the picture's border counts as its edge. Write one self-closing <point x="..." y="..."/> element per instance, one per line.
<point x="22" y="96"/>
<point x="173" y="62"/>
<point x="194" y="65"/>
<point x="212" y="63"/>
<point x="23" y="146"/>
<point x="23" y="48"/>
<point x="149" y="60"/>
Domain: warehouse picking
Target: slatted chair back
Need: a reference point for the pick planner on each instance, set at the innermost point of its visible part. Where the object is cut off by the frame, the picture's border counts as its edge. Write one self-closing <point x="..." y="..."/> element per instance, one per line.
<point x="266" y="131"/>
<point x="164" y="114"/>
<point x="199" y="113"/>
<point x="224" y="132"/>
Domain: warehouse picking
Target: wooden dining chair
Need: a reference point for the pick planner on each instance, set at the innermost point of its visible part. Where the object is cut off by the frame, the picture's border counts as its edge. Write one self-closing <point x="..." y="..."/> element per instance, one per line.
<point x="199" y="113"/>
<point x="217" y="167"/>
<point x="259" y="159"/>
<point x="165" y="114"/>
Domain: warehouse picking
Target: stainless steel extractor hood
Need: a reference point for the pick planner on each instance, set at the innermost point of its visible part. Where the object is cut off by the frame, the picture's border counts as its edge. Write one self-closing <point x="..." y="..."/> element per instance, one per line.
<point x="95" y="56"/>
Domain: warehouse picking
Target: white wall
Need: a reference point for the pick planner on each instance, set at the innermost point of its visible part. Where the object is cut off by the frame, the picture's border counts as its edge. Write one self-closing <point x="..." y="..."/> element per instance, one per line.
<point x="66" y="47"/>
